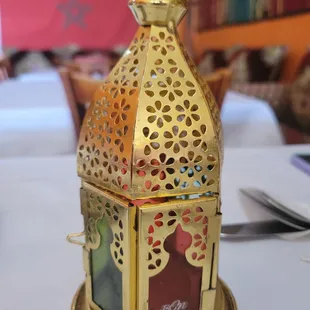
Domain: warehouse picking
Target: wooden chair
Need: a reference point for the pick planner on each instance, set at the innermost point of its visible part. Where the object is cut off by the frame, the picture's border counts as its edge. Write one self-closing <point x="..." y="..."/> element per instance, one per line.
<point x="79" y="90"/>
<point x="219" y="82"/>
<point x="4" y="68"/>
<point x="225" y="85"/>
<point x="214" y="81"/>
<point x="98" y="63"/>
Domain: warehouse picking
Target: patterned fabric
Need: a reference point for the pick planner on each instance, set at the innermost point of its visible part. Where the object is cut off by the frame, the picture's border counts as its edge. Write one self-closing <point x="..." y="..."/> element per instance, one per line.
<point x="258" y="65"/>
<point x="270" y="92"/>
<point x="294" y="110"/>
<point x="214" y="59"/>
<point x="305" y="62"/>
<point x="248" y="65"/>
<point x="291" y="104"/>
<point x="219" y="82"/>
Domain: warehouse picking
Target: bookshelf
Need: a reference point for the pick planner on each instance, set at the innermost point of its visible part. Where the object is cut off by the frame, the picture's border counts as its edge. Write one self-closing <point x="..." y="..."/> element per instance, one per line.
<point x="212" y="14"/>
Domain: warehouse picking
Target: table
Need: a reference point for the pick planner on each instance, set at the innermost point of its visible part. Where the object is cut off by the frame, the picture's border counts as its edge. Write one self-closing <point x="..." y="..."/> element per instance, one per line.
<point x="39" y="206"/>
<point x="35" y="119"/>
<point x="249" y="122"/>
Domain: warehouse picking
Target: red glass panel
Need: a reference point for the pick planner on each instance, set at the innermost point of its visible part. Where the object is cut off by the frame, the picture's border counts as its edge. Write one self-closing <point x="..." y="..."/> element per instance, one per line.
<point x="178" y="286"/>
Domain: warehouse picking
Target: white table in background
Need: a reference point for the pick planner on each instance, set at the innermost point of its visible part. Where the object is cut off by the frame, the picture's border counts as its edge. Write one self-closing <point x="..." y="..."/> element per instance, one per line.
<point x="249" y="122"/>
<point x="35" y="119"/>
<point x="39" y="206"/>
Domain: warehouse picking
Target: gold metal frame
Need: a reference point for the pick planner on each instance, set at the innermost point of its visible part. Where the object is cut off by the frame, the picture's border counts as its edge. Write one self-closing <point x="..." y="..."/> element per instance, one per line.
<point x="201" y="219"/>
<point x="224" y="298"/>
<point x="151" y="138"/>
<point x="95" y="205"/>
<point x="153" y="129"/>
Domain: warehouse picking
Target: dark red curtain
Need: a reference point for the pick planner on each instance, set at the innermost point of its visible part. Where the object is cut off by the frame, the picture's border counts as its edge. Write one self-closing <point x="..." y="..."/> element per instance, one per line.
<point x="45" y="24"/>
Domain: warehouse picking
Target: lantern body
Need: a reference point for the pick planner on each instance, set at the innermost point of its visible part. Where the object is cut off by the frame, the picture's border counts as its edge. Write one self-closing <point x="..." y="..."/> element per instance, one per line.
<point x="133" y="248"/>
<point x="150" y="155"/>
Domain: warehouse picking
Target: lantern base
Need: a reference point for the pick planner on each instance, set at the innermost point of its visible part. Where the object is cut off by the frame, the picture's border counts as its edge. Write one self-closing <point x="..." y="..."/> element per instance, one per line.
<point x="224" y="298"/>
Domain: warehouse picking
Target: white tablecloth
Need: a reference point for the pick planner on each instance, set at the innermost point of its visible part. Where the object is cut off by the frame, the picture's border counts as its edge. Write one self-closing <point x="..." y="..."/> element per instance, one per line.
<point x="249" y="122"/>
<point x="39" y="206"/>
<point x="35" y="119"/>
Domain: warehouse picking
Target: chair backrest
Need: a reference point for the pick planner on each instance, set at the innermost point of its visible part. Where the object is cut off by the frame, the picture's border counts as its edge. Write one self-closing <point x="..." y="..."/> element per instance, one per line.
<point x="4" y="68"/>
<point x="80" y="89"/>
<point x="99" y="63"/>
<point x="225" y="85"/>
<point x="214" y="81"/>
<point x="219" y="82"/>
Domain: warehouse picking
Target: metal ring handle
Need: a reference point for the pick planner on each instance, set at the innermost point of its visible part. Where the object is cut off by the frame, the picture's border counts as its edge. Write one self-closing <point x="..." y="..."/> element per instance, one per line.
<point x="74" y="235"/>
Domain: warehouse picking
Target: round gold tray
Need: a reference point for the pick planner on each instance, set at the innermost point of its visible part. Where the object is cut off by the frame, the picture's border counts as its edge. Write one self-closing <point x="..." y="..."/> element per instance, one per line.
<point x="224" y="298"/>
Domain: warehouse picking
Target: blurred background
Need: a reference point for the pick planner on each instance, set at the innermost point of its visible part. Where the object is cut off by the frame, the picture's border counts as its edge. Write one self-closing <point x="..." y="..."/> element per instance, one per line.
<point x="255" y="57"/>
<point x="252" y="49"/>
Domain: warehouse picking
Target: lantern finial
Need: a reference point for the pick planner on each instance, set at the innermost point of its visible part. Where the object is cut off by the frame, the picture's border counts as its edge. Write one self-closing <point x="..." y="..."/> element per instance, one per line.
<point x="158" y="12"/>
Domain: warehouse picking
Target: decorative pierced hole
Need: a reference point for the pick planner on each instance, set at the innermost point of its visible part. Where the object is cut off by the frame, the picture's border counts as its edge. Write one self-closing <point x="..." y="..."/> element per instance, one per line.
<point x="150" y="240"/>
<point x="151" y="229"/>
<point x="146" y="131"/>
<point x="150" y="93"/>
<point x="171" y="222"/>
<point x="211" y="158"/>
<point x="202" y="181"/>
<point x="163" y="43"/>
<point x="150" y="186"/>
<point x="172" y="62"/>
<point x="186" y="216"/>
<point x="176" y="139"/>
<point x="156" y="244"/>
<point x="141" y="164"/>
<point x="147" y="150"/>
<point x="139" y="45"/>
<point x="211" y="182"/>
<point x="158" y="220"/>
<point x="120" y="224"/>
<point x="172" y="213"/>
<point x="210" y="167"/>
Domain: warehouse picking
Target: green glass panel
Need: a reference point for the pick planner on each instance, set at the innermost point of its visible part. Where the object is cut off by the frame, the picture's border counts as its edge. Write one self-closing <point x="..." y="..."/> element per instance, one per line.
<point x="107" y="279"/>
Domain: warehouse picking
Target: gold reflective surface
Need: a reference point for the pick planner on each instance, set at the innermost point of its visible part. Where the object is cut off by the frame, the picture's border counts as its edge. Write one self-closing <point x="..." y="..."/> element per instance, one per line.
<point x="224" y="298"/>
<point x="153" y="129"/>
<point x="150" y="140"/>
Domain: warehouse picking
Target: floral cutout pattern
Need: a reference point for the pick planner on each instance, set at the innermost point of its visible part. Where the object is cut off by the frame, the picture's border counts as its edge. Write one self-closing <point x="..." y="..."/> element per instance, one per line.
<point x="95" y="207"/>
<point x="159" y="114"/>
<point x="139" y="44"/>
<point x="120" y="113"/>
<point x="188" y="112"/>
<point x="163" y="44"/>
<point x="194" y="220"/>
<point x="176" y="139"/>
<point x="170" y="89"/>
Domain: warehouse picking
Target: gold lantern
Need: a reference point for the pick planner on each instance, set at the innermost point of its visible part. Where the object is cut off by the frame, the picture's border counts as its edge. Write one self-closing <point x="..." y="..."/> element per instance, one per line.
<point x="150" y="155"/>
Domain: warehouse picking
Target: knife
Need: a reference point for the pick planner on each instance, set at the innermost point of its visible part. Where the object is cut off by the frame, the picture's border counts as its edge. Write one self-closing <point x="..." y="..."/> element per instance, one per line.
<point x="256" y="230"/>
<point x="276" y="209"/>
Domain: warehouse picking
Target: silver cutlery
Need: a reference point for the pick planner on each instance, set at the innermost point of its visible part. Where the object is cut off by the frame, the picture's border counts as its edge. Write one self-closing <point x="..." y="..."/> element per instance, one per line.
<point x="255" y="230"/>
<point x="287" y="222"/>
<point x="275" y="208"/>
